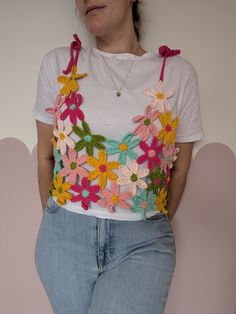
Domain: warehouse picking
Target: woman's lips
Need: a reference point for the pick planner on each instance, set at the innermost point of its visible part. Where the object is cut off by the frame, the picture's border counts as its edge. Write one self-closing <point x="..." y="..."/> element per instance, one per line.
<point x="93" y="9"/>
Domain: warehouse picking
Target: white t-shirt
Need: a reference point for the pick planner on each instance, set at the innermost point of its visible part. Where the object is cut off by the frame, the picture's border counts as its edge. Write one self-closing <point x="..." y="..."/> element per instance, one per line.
<point x="111" y="116"/>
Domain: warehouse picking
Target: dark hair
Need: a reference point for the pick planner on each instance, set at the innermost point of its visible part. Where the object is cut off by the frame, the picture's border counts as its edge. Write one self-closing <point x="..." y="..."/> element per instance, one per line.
<point x="136" y="18"/>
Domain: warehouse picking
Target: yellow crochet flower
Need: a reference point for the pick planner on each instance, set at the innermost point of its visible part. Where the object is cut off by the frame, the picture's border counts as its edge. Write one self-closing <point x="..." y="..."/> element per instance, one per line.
<point x="60" y="190"/>
<point x="103" y="168"/>
<point x="161" y="201"/>
<point x="70" y="84"/>
<point x="169" y="126"/>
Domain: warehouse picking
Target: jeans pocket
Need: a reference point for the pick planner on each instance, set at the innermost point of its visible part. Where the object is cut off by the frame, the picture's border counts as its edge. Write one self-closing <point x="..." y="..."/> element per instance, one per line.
<point x="51" y="207"/>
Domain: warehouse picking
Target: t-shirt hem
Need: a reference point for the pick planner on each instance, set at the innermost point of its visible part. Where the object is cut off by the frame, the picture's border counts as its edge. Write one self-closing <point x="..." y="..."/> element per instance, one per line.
<point x="99" y="214"/>
<point x="191" y="138"/>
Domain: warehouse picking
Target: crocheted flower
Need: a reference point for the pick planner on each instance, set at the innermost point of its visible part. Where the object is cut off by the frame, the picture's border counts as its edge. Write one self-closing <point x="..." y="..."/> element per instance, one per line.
<point x="88" y="140"/>
<point x="151" y="153"/>
<point x="73" y="110"/>
<point x="159" y="97"/>
<point x="146" y="123"/>
<point x="55" y="111"/>
<point x="86" y="193"/>
<point x="60" y="191"/>
<point x="157" y="178"/>
<point x="133" y="177"/>
<point x="169" y="156"/>
<point x="169" y="126"/>
<point x="72" y="166"/>
<point x="63" y="140"/>
<point x="54" y="142"/>
<point x="70" y="83"/>
<point x="123" y="148"/>
<point x="143" y="202"/>
<point x="57" y="159"/>
<point x="103" y="168"/>
<point x="113" y="198"/>
<point x="161" y="201"/>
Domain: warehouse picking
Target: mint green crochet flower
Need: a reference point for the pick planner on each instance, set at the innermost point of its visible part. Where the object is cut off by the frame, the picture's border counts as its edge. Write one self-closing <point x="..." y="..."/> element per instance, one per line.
<point x="143" y="202"/>
<point x="124" y="148"/>
<point x="88" y="140"/>
<point x="58" y="162"/>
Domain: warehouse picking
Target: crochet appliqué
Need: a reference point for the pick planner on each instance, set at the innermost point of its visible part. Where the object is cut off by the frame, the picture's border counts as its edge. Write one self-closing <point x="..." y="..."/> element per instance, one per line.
<point x="147" y="185"/>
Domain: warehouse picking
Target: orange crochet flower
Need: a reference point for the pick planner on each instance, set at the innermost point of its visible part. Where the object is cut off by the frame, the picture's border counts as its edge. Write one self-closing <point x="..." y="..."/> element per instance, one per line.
<point x="70" y="83"/>
<point x="169" y="126"/>
<point x="60" y="191"/>
<point x="103" y="168"/>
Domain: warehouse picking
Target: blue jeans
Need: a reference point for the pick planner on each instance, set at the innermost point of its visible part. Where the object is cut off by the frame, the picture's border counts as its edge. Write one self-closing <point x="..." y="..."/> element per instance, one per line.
<point x="90" y="265"/>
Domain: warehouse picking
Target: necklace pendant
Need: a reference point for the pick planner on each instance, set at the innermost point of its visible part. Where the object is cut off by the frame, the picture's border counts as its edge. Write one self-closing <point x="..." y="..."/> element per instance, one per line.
<point x="118" y="94"/>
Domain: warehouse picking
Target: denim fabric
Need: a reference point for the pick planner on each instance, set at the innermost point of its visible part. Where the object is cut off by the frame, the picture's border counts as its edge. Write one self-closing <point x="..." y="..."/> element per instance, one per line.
<point x="91" y="265"/>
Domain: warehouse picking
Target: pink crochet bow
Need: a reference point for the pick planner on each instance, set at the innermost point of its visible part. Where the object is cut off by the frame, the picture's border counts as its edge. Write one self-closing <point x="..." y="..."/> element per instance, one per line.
<point x="166" y="52"/>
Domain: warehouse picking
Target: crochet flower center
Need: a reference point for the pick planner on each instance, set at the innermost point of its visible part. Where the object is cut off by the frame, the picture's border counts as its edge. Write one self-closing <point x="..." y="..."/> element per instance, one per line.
<point x="156" y="181"/>
<point x="60" y="190"/>
<point x="144" y="204"/>
<point x="123" y="147"/>
<point x="102" y="168"/>
<point x="134" y="177"/>
<point x="85" y="193"/>
<point x="73" y="165"/>
<point x="147" y="122"/>
<point x="72" y="107"/>
<point x="87" y="138"/>
<point x="160" y="96"/>
<point x="115" y="198"/>
<point x="168" y="128"/>
<point x="151" y="153"/>
<point x="62" y="136"/>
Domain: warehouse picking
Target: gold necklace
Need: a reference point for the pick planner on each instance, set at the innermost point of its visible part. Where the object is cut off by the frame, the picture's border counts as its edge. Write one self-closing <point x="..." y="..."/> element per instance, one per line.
<point x="118" y="91"/>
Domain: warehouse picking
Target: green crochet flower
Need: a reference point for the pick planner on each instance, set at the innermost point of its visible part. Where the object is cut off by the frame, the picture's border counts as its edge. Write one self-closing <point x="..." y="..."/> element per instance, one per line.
<point x="157" y="180"/>
<point x="143" y="202"/>
<point x="88" y="140"/>
<point x="124" y="148"/>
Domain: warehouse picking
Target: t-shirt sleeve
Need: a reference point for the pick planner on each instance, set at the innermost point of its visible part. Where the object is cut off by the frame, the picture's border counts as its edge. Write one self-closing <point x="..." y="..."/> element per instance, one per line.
<point x="190" y="124"/>
<point x="44" y="94"/>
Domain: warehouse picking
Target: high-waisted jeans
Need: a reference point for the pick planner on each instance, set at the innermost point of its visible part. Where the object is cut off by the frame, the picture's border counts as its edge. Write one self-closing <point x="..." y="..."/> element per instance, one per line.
<point x="90" y="265"/>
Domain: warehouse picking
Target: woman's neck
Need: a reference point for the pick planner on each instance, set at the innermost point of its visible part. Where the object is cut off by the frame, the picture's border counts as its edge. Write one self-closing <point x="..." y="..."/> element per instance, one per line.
<point x="119" y="44"/>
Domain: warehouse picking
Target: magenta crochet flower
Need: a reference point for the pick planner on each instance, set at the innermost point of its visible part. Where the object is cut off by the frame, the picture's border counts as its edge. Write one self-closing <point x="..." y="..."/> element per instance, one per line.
<point x="72" y="166"/>
<point x="59" y="101"/>
<point x="73" y="110"/>
<point x="146" y="123"/>
<point x="86" y="193"/>
<point x="133" y="177"/>
<point x="159" y="97"/>
<point x="169" y="156"/>
<point x="151" y="153"/>
<point x="113" y="198"/>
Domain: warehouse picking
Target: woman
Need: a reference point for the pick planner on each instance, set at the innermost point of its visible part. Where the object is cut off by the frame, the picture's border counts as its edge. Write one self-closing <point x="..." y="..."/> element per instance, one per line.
<point x="118" y="117"/>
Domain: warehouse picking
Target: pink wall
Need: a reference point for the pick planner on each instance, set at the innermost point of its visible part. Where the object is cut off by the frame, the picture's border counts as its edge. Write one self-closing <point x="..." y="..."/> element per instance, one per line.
<point x="204" y="280"/>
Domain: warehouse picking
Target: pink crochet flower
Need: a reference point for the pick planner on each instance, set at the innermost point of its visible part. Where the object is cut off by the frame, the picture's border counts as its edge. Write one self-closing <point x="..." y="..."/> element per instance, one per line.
<point x="146" y="123"/>
<point x="133" y="176"/>
<point x="169" y="156"/>
<point x="151" y="153"/>
<point x="86" y="193"/>
<point x="59" y="101"/>
<point x="63" y="139"/>
<point x="159" y="97"/>
<point x="72" y="166"/>
<point x="114" y="198"/>
<point x="73" y="110"/>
